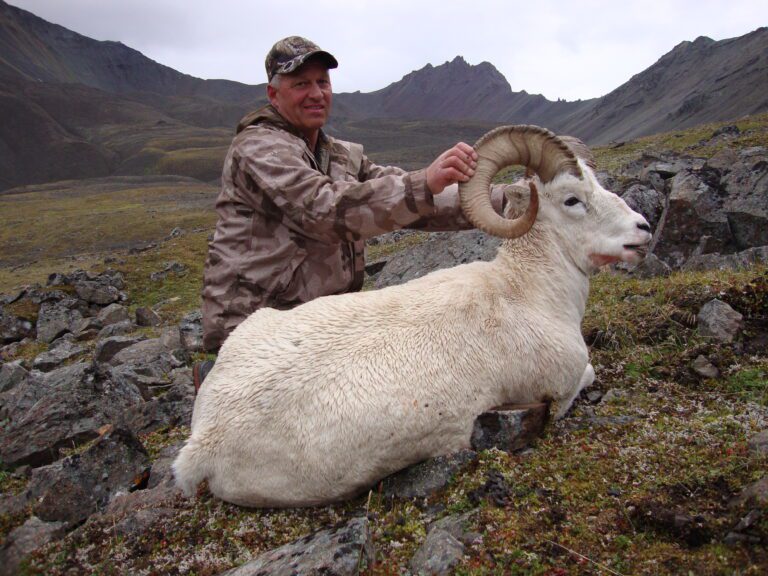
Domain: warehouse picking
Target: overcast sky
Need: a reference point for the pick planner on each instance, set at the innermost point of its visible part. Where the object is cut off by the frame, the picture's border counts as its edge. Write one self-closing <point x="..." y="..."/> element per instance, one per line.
<point x="561" y="49"/>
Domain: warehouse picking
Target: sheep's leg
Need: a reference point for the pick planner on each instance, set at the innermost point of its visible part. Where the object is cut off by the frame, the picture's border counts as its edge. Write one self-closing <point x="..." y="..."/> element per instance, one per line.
<point x="561" y="406"/>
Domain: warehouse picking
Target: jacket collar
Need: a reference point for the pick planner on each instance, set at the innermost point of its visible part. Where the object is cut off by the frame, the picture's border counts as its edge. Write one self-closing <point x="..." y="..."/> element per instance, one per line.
<point x="268" y="114"/>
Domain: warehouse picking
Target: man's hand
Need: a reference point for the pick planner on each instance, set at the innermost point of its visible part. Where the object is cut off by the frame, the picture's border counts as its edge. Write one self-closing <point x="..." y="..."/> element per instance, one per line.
<point x="456" y="164"/>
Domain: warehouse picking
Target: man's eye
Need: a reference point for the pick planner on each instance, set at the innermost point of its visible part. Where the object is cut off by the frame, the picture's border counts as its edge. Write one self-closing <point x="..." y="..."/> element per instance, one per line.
<point x="572" y="201"/>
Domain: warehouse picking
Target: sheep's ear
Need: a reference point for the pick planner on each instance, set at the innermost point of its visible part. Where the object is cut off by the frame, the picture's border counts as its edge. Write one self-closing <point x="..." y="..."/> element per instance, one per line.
<point x="517" y="198"/>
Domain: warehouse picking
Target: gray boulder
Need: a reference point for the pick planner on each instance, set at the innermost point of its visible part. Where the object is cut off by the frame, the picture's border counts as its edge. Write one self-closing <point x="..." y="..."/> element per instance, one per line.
<point x="113" y="314"/>
<point x="147" y="317"/>
<point x="746" y="204"/>
<point x="121" y="328"/>
<point x="440" y="250"/>
<point x="71" y="405"/>
<point x="98" y="293"/>
<point x="77" y="486"/>
<point x="191" y="331"/>
<point x="438" y="555"/>
<point x="694" y="210"/>
<point x="13" y="328"/>
<point x="62" y="350"/>
<point x="107" y="348"/>
<point x="445" y="544"/>
<point x="508" y="428"/>
<point x="651" y="267"/>
<point x="11" y="374"/>
<point x="718" y="320"/>
<point x="56" y="319"/>
<point x="647" y="201"/>
<point x="426" y="478"/>
<point x="24" y="540"/>
<point x="738" y="261"/>
<point x="340" y="551"/>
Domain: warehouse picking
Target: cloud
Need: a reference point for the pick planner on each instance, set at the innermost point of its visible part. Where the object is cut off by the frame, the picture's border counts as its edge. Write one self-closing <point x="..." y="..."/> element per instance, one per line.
<point x="560" y="49"/>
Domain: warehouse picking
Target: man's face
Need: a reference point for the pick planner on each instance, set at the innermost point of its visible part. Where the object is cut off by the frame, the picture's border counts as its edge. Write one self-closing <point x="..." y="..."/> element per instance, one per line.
<point x="304" y="97"/>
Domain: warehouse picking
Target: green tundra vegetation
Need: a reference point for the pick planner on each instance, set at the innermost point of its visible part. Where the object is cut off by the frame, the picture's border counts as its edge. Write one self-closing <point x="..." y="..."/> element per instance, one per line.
<point x="638" y="482"/>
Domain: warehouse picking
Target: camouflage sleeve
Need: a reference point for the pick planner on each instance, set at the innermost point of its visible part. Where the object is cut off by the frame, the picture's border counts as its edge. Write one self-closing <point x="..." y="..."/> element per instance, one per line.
<point x="448" y="214"/>
<point x="324" y="209"/>
<point x="369" y="170"/>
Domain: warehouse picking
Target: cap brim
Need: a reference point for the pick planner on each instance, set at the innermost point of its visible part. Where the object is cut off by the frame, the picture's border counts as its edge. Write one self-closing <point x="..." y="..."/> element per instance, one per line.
<point x="294" y="64"/>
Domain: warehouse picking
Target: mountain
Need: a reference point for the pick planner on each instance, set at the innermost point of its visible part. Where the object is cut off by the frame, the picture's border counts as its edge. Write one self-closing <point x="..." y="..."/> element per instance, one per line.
<point x="74" y="107"/>
<point x="458" y="90"/>
<point x="697" y="82"/>
<point x="37" y="50"/>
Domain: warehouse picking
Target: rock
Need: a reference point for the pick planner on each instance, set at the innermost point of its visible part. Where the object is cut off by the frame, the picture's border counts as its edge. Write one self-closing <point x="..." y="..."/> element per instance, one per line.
<point x="13" y="328"/>
<point x="730" y="130"/>
<point x="647" y="201"/>
<point x="718" y="320"/>
<point x="594" y="396"/>
<point x="191" y="331"/>
<point x="24" y="540"/>
<point x="62" y="350"/>
<point x="77" y="486"/>
<point x="716" y="261"/>
<point x="459" y="526"/>
<point x="136" y="524"/>
<point x="738" y="536"/>
<point x="55" y="319"/>
<point x="176" y="232"/>
<point x="695" y="209"/>
<point x="746" y="203"/>
<point x="162" y="471"/>
<point x="128" y="503"/>
<point x="170" y="338"/>
<point x="149" y="358"/>
<point x="147" y="317"/>
<point x="113" y="314"/>
<point x="87" y="328"/>
<point x="758" y="444"/>
<point x="174" y="408"/>
<point x="651" y="267"/>
<point x="440" y="250"/>
<point x="723" y="160"/>
<point x="98" y="293"/>
<point x="426" y="478"/>
<point x="704" y="368"/>
<point x="11" y="374"/>
<point x="755" y="494"/>
<point x="68" y="406"/>
<point x="107" y="348"/>
<point x="172" y="267"/>
<point x="118" y="329"/>
<point x="509" y="428"/>
<point x="341" y="551"/>
<point x="496" y="491"/>
<point x="439" y="553"/>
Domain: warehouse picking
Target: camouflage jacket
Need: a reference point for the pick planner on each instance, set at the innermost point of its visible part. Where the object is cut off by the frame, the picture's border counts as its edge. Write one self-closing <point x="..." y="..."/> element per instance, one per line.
<point x="292" y="224"/>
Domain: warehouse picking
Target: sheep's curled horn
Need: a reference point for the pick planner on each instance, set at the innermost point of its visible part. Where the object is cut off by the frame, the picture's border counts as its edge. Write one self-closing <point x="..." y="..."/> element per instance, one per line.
<point x="531" y="146"/>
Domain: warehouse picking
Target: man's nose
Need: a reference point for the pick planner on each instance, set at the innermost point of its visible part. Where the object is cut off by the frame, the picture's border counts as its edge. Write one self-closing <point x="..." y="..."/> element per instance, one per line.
<point x="315" y="91"/>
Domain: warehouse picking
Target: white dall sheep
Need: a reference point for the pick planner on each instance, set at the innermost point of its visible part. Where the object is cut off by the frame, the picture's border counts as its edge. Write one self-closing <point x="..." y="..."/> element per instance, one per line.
<point x="318" y="403"/>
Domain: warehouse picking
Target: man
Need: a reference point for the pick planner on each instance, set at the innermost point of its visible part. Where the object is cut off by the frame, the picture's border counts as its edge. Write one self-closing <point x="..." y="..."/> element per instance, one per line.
<point x="297" y="205"/>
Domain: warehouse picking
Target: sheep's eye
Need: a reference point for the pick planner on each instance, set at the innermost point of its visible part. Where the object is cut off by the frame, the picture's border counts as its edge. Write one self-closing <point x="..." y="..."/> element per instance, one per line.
<point x="572" y="201"/>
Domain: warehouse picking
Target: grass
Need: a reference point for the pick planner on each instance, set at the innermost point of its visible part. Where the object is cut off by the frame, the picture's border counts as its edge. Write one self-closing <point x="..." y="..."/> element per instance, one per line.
<point x="598" y="494"/>
<point x="692" y="142"/>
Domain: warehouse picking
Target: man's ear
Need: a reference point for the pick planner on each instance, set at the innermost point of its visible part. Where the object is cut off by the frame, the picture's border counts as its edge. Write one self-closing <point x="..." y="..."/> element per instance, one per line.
<point x="272" y="95"/>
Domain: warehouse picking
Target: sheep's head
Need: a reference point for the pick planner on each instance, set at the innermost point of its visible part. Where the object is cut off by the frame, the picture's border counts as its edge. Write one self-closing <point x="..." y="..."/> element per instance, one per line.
<point x="597" y="226"/>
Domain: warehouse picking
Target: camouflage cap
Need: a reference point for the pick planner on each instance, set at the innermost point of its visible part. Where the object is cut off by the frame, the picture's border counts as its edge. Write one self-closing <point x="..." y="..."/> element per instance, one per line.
<point x="290" y="53"/>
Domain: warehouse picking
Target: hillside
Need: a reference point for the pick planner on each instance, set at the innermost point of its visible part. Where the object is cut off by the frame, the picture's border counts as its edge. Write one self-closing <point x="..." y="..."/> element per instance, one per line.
<point x="697" y="82"/>
<point x="62" y="95"/>
<point x="660" y="468"/>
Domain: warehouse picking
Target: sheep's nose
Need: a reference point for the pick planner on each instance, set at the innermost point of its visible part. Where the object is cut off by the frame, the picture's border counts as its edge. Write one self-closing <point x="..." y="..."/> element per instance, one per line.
<point x="644" y="227"/>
